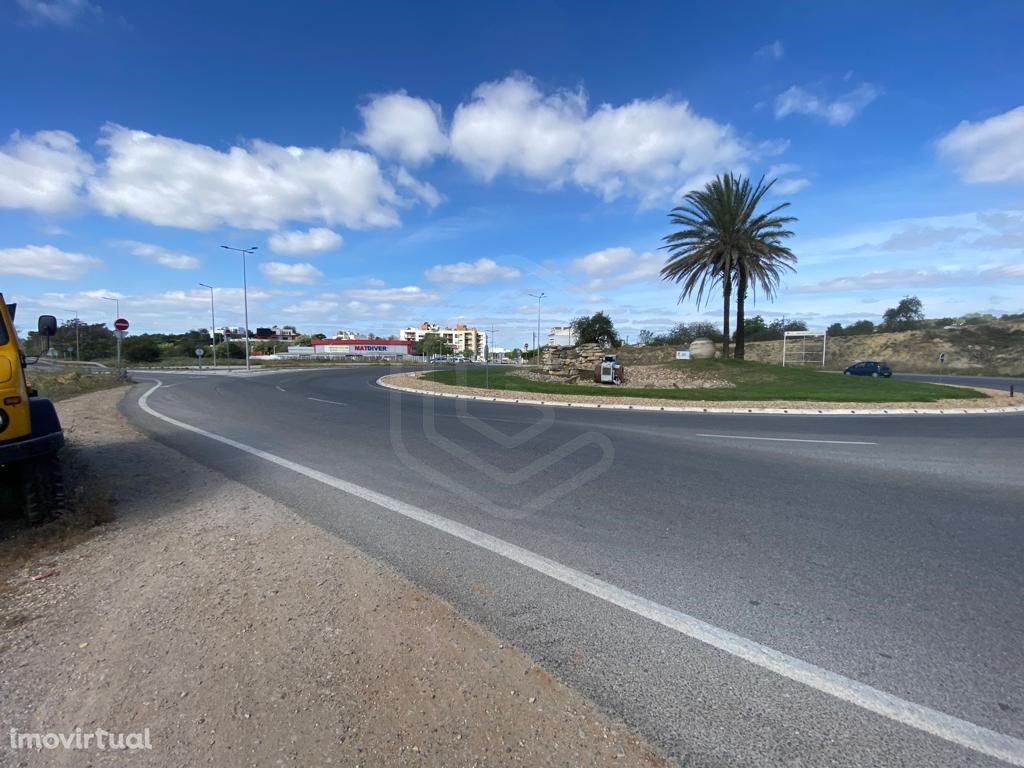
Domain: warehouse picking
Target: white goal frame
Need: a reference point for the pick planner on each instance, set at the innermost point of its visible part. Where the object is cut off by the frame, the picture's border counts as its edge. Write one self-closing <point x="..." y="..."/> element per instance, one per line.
<point x="799" y="354"/>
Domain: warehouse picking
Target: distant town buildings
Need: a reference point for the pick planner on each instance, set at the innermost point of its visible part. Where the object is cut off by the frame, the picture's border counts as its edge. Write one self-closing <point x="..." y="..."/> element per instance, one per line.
<point x="562" y="336"/>
<point x="346" y="335"/>
<point x="462" y="339"/>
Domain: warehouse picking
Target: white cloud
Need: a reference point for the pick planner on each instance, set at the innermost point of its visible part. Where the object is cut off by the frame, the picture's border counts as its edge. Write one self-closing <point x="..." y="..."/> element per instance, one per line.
<point x="790" y="186"/>
<point x="409" y="293"/>
<point x="60" y="12"/>
<point x="774" y="50"/>
<point x="917" y="237"/>
<point x="160" y="255"/>
<point x="279" y="272"/>
<point x="45" y="262"/>
<point x="399" y="125"/>
<point x="311" y="307"/>
<point x="840" y="111"/>
<point x="44" y="172"/>
<point x="905" y="279"/>
<point x="315" y="240"/>
<point x="172" y="182"/>
<point x="988" y="151"/>
<point x="423" y="191"/>
<point x="473" y="273"/>
<point x="646" y="149"/>
<point x="616" y="266"/>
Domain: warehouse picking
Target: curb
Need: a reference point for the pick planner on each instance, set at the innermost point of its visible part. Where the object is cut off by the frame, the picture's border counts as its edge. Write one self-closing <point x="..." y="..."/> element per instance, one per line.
<point x="694" y="409"/>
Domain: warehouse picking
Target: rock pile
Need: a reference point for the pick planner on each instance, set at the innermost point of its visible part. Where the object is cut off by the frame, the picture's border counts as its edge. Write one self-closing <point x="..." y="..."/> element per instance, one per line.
<point x="572" y="363"/>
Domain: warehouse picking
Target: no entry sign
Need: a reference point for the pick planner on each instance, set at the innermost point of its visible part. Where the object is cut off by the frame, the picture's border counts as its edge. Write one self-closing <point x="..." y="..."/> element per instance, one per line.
<point x="121" y="324"/>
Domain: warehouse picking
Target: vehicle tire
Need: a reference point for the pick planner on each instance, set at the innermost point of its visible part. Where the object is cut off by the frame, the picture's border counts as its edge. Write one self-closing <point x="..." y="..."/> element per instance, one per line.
<point x="874" y="375"/>
<point x="43" y="495"/>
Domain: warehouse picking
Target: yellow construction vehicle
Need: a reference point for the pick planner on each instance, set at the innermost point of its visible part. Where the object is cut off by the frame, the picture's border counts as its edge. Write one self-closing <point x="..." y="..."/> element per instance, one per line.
<point x="30" y="434"/>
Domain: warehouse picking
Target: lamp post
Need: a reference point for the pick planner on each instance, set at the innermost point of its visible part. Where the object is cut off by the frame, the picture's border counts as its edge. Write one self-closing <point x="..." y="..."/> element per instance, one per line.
<point x="78" y="354"/>
<point x="245" y="296"/>
<point x="536" y="346"/>
<point x="117" y="308"/>
<point x="213" y="329"/>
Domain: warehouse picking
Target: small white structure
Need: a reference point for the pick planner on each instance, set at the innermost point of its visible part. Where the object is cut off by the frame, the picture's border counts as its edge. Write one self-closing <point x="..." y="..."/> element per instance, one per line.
<point x="562" y="336"/>
<point x="804" y="348"/>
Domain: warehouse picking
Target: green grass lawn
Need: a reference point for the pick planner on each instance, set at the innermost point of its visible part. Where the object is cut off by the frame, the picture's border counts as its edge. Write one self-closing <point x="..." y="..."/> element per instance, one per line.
<point x="754" y="381"/>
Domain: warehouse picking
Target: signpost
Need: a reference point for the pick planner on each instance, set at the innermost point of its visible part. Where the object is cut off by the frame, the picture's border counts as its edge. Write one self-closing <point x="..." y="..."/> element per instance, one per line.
<point x="120" y="325"/>
<point x="199" y="354"/>
<point x="682" y="355"/>
<point x="942" y="361"/>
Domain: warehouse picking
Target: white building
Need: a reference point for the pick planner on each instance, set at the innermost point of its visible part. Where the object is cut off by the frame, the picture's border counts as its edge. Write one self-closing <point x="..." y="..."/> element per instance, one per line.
<point x="462" y="340"/>
<point x="562" y="336"/>
<point x="346" y="335"/>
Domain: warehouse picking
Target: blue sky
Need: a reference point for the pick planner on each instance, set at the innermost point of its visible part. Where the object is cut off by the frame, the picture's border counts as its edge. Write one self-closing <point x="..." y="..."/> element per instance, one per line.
<point x="401" y="162"/>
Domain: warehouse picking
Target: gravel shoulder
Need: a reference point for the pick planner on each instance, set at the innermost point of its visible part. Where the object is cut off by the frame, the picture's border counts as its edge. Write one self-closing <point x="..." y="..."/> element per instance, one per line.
<point x="240" y="635"/>
<point x="414" y="380"/>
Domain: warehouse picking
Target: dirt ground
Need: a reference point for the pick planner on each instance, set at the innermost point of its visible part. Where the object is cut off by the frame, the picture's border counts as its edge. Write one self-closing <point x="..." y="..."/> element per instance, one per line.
<point x="996" y="398"/>
<point x="240" y="635"/>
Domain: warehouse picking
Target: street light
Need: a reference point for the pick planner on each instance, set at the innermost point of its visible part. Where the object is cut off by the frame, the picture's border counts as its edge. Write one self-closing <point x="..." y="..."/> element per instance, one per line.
<point x="536" y="346"/>
<point x="245" y="296"/>
<point x="117" y="304"/>
<point x="78" y="354"/>
<point x="213" y="329"/>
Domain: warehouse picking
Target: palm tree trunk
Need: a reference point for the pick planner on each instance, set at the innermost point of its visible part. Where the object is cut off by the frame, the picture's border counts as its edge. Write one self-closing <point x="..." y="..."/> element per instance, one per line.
<point x="726" y="306"/>
<point x="741" y="297"/>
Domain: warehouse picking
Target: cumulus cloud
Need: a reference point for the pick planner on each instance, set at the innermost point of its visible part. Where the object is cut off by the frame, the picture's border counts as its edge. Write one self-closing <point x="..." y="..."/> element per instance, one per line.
<point x="991" y="150"/>
<point x="409" y="294"/>
<point x="472" y="273"/>
<point x="421" y="190"/>
<point x="44" y="172"/>
<point x="616" y="266"/>
<point x="279" y="272"/>
<point x="62" y="13"/>
<point x="311" y="307"/>
<point x="649" y="149"/>
<point x="172" y="182"/>
<point x="839" y="111"/>
<point x="790" y="186"/>
<point x="159" y="255"/>
<point x="295" y="243"/>
<point x="401" y="126"/>
<point x="45" y="262"/>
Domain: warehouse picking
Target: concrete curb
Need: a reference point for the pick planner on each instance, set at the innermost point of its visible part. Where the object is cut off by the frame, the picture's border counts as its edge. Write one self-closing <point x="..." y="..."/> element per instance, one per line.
<point x="694" y="409"/>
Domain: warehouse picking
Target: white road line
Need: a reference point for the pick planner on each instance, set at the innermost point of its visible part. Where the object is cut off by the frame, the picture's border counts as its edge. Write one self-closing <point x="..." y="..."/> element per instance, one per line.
<point x="790" y="440"/>
<point x="926" y="719"/>
<point x="332" y="402"/>
<point x="280" y="388"/>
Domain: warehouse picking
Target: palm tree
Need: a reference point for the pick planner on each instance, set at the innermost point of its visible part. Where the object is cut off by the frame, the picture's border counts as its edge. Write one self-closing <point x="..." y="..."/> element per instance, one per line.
<point x="723" y="241"/>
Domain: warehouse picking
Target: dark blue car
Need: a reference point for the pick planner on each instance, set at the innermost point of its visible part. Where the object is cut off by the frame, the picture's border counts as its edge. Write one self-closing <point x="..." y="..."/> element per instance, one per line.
<point x="869" y="368"/>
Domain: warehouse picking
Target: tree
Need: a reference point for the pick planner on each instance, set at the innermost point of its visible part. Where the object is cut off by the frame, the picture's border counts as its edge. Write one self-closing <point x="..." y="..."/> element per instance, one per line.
<point x="905" y="315"/>
<point x="141" y="349"/>
<point x="645" y="337"/>
<point x="724" y="242"/>
<point x="596" y="329"/>
<point x="432" y="344"/>
<point x="860" y="328"/>
<point x="836" y="329"/>
<point x="96" y="341"/>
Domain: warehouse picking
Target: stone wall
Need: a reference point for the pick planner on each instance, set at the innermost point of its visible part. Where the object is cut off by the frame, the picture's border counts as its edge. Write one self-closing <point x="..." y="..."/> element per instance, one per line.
<point x="571" y="363"/>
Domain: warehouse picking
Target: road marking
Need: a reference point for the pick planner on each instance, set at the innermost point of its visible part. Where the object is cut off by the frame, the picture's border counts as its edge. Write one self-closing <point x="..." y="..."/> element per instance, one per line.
<point x="926" y="719"/>
<point x="280" y="388"/>
<point x="790" y="440"/>
<point x="332" y="402"/>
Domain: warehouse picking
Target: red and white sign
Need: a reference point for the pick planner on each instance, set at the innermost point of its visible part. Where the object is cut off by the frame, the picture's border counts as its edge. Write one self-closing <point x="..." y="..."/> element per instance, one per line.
<point x="121" y="324"/>
<point x="368" y="347"/>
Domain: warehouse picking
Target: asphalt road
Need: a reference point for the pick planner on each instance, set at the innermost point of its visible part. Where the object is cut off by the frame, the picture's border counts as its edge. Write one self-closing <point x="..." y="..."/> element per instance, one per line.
<point x="741" y="590"/>
<point x="991" y="382"/>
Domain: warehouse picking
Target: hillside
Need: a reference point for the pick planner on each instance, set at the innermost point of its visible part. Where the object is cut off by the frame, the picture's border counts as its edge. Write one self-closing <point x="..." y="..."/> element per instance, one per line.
<point x="995" y="348"/>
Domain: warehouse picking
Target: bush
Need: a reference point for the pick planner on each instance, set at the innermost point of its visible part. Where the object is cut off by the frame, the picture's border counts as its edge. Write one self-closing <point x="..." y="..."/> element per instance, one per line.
<point x="140" y="349"/>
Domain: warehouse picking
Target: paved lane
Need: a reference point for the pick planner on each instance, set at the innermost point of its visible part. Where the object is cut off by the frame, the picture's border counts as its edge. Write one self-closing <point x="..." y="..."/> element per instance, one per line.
<point x="991" y="382"/>
<point x="888" y="552"/>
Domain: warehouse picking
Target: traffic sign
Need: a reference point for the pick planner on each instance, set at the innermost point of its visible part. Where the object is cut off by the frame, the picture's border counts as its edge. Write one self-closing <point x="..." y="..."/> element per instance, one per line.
<point x="942" y="357"/>
<point x="200" y="351"/>
<point x="121" y="324"/>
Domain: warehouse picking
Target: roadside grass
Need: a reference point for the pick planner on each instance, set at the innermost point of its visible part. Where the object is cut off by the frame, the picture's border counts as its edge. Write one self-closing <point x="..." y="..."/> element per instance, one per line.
<point x="753" y="381"/>
<point x="60" y="386"/>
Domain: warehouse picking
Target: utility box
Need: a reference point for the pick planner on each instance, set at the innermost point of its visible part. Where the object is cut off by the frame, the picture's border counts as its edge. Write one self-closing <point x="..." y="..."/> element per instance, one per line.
<point x="608" y="371"/>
